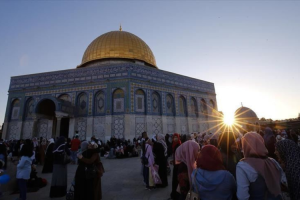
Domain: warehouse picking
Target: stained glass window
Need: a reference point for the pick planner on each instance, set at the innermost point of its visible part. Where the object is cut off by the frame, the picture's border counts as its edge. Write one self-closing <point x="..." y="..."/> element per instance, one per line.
<point x="156" y="103"/>
<point x="140" y="101"/>
<point x="170" y="105"/>
<point x="82" y="104"/>
<point x="100" y="103"/>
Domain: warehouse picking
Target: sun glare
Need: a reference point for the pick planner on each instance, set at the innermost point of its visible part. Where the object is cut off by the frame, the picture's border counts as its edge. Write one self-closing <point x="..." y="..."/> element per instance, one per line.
<point x="228" y="120"/>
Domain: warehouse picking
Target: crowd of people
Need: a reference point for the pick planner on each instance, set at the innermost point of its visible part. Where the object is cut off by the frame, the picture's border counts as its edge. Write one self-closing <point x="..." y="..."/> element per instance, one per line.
<point x="229" y="165"/>
<point x="54" y="155"/>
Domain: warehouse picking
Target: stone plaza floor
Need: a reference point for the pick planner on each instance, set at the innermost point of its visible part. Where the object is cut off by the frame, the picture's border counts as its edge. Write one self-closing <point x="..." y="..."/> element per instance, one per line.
<point x="122" y="180"/>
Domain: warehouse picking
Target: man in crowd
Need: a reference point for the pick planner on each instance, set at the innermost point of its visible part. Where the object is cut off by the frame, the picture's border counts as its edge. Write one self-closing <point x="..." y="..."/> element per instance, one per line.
<point x="75" y="143"/>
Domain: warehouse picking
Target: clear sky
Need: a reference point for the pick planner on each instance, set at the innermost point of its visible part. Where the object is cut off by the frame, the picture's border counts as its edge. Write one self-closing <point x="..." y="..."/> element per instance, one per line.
<point x="250" y="50"/>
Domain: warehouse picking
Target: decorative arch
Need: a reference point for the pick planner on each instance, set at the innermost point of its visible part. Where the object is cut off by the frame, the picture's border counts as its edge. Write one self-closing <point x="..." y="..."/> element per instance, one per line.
<point x="170" y="105"/>
<point x="65" y="97"/>
<point x="211" y="107"/>
<point x="203" y="107"/>
<point x="156" y="103"/>
<point x="140" y="101"/>
<point x="99" y="100"/>
<point x="29" y="108"/>
<point x="182" y="106"/>
<point x="82" y="104"/>
<point x="194" y="107"/>
<point x="118" y="101"/>
<point x="15" y="109"/>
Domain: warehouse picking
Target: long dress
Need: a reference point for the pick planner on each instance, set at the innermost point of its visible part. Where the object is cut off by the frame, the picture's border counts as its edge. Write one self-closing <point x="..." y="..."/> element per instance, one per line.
<point x="59" y="176"/>
<point x="97" y="181"/>
<point x="84" y="188"/>
<point x="161" y="161"/>
<point x="48" y="165"/>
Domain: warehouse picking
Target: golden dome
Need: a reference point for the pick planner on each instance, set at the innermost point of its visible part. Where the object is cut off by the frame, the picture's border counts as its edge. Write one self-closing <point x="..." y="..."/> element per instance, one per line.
<point x="120" y="45"/>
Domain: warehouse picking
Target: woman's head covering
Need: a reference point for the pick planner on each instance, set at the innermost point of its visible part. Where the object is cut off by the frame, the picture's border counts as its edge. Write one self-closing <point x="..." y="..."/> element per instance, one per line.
<point x="289" y="153"/>
<point x="59" y="144"/>
<point x="210" y="159"/>
<point x="161" y="139"/>
<point x="51" y="140"/>
<point x="178" y="142"/>
<point x="255" y="154"/>
<point x="187" y="153"/>
<point x="84" y="145"/>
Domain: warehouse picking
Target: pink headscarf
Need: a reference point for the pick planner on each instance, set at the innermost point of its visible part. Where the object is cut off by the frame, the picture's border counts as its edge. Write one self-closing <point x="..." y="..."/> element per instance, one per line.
<point x="187" y="153"/>
<point x="255" y="154"/>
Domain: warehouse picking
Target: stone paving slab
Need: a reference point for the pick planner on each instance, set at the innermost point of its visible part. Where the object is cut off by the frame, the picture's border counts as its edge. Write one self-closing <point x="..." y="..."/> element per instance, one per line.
<point x="122" y="180"/>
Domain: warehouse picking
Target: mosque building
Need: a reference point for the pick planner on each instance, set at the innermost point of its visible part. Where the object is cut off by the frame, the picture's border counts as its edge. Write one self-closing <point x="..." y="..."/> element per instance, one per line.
<point x="117" y="90"/>
<point x="247" y="119"/>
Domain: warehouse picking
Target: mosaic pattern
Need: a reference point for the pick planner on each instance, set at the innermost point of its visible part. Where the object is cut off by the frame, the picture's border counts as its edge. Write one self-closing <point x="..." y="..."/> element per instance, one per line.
<point x="100" y="103"/>
<point x="140" y="126"/>
<point x="171" y="125"/>
<point x="27" y="129"/>
<point x="65" y="97"/>
<point x="118" y="126"/>
<point x="170" y="105"/>
<point x="157" y="125"/>
<point x="42" y="128"/>
<point x="184" y="126"/>
<point x="102" y="72"/>
<point x="99" y="127"/>
<point x="13" y="131"/>
<point x="64" y="90"/>
<point x="81" y="128"/>
<point x="29" y="109"/>
<point x="82" y="104"/>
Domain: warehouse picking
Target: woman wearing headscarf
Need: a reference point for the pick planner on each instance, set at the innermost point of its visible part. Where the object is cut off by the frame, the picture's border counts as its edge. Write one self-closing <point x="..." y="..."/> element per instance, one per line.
<point x="48" y="165"/>
<point x="230" y="154"/>
<point x="289" y="155"/>
<point x="257" y="175"/>
<point x="210" y="180"/>
<point x="84" y="186"/>
<point x="95" y="159"/>
<point x="185" y="156"/>
<point x="160" y="152"/>
<point x="43" y="147"/>
<point x="176" y="142"/>
<point x="59" y="176"/>
<point x="270" y="140"/>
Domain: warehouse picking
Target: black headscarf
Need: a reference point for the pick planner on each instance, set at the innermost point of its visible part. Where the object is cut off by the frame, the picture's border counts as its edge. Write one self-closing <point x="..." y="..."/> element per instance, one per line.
<point x="289" y="152"/>
<point x="59" y="144"/>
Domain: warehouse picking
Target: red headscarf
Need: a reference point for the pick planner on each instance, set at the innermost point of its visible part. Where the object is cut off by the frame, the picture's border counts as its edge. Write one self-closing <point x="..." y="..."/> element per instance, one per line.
<point x="210" y="159"/>
<point x="178" y="142"/>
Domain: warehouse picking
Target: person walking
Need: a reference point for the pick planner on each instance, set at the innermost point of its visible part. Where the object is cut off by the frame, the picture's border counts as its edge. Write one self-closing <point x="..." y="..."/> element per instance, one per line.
<point x="48" y="165"/>
<point x="75" y="144"/>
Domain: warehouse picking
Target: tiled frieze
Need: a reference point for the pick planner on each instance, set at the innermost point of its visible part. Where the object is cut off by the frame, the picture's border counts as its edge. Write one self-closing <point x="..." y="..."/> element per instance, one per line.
<point x="101" y="73"/>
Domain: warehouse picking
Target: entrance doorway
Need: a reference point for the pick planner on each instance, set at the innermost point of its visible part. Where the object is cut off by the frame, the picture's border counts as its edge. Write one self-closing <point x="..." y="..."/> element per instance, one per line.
<point x="64" y="127"/>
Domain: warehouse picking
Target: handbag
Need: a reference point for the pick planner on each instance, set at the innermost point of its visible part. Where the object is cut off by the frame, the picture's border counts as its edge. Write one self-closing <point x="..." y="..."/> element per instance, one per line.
<point x="100" y="168"/>
<point x="155" y="175"/>
<point x="67" y="159"/>
<point x="191" y="195"/>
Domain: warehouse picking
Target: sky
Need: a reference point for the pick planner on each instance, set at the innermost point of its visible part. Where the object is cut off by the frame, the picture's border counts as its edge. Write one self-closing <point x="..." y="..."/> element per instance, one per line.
<point x="250" y="50"/>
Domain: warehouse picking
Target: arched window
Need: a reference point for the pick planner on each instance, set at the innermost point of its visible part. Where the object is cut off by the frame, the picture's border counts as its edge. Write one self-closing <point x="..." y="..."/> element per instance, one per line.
<point x="140" y="101"/>
<point x="29" y="108"/>
<point x="203" y="107"/>
<point x="15" y="109"/>
<point x="65" y="97"/>
<point x="211" y="107"/>
<point x="118" y="100"/>
<point x="182" y="106"/>
<point x="194" y="107"/>
<point x="82" y="105"/>
<point x="156" y="103"/>
<point x="99" y="103"/>
<point x="170" y="105"/>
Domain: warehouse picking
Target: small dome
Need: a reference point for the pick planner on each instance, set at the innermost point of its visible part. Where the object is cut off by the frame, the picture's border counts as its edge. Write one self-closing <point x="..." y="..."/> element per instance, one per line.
<point x="118" y="45"/>
<point x="244" y="113"/>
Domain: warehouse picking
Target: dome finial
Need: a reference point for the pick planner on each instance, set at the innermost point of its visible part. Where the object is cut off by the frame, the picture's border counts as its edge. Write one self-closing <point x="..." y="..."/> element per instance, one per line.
<point x="120" y="27"/>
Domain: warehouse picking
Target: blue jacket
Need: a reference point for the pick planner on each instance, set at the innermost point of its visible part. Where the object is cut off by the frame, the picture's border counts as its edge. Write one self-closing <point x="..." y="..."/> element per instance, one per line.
<point x="24" y="168"/>
<point x="213" y="185"/>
